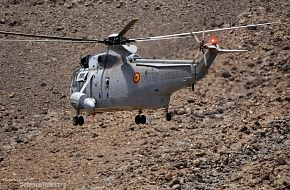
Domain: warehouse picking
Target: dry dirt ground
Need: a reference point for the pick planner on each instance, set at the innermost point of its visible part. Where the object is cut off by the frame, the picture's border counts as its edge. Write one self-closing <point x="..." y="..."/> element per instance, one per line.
<point x="232" y="132"/>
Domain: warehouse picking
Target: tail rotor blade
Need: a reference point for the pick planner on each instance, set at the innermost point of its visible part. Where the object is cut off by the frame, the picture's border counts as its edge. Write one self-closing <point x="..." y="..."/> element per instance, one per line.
<point x="204" y="24"/>
<point x="197" y="55"/>
<point x="203" y="32"/>
<point x="196" y="38"/>
<point x="205" y="61"/>
<point x="198" y="42"/>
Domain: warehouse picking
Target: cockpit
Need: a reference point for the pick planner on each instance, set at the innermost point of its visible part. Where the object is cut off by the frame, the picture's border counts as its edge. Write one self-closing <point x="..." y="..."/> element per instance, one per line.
<point x="103" y="60"/>
<point x="90" y="61"/>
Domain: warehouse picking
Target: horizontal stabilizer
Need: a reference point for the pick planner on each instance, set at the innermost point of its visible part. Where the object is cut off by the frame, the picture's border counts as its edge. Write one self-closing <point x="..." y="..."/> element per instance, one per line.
<point x="231" y="50"/>
<point x="217" y="47"/>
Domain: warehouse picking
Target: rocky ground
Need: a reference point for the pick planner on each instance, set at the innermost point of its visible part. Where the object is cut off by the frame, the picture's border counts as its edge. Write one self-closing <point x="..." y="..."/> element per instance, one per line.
<point x="232" y="132"/>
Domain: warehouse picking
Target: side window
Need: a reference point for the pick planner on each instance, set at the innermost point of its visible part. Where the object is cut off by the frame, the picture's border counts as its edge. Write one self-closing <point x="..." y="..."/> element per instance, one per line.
<point x="82" y="76"/>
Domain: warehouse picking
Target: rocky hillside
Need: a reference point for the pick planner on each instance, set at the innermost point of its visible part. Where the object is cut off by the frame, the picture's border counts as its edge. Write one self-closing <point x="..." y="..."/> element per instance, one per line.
<point x="232" y="132"/>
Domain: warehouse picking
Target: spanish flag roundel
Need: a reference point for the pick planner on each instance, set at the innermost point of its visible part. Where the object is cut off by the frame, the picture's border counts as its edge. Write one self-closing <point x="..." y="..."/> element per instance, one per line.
<point x="136" y="77"/>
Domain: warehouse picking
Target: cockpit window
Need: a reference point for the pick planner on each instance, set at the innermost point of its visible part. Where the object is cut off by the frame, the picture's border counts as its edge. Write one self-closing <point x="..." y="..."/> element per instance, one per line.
<point x="82" y="75"/>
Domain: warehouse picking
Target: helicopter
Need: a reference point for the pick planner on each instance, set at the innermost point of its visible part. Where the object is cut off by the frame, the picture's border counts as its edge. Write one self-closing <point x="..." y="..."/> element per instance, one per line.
<point x="121" y="80"/>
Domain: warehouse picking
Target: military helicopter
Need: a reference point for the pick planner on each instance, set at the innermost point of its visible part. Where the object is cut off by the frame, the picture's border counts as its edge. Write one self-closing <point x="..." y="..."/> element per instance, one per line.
<point x="121" y="80"/>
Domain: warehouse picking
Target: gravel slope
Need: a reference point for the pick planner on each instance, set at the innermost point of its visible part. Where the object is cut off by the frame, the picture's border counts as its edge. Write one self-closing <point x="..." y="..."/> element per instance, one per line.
<point x="232" y="132"/>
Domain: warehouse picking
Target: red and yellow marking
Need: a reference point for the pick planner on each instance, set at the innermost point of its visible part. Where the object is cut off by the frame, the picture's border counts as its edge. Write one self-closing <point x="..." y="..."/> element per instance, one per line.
<point x="136" y="77"/>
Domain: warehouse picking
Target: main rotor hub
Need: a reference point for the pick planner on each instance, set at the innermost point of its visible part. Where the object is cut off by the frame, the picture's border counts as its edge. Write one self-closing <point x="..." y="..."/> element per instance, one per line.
<point x="116" y="40"/>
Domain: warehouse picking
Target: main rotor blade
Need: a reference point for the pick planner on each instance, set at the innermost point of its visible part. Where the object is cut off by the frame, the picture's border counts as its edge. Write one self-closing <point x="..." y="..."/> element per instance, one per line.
<point x="196" y="38"/>
<point x="127" y="27"/>
<point x="204" y="24"/>
<point x="205" y="60"/>
<point x="190" y="34"/>
<point x="50" y="37"/>
<point x="61" y="41"/>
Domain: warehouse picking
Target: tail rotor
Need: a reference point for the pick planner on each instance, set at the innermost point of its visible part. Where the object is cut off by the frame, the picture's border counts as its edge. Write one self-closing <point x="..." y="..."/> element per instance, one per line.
<point x="202" y="42"/>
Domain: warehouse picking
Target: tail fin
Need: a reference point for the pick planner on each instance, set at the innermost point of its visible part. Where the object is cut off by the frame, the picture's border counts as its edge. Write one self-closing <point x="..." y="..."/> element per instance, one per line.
<point x="205" y="62"/>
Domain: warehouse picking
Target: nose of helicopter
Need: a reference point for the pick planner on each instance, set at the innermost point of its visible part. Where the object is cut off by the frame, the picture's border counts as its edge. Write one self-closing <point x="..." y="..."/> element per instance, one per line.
<point x="81" y="101"/>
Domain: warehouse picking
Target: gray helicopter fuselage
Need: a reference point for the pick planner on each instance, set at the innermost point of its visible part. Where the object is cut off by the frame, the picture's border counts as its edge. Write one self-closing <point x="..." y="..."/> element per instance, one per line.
<point x="110" y="80"/>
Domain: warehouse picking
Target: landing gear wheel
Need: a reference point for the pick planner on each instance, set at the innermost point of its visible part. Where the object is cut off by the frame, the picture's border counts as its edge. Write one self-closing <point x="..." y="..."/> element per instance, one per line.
<point x="75" y="120"/>
<point x="168" y="116"/>
<point x="143" y="119"/>
<point x="81" y="120"/>
<point x="78" y="120"/>
<point x="137" y="119"/>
